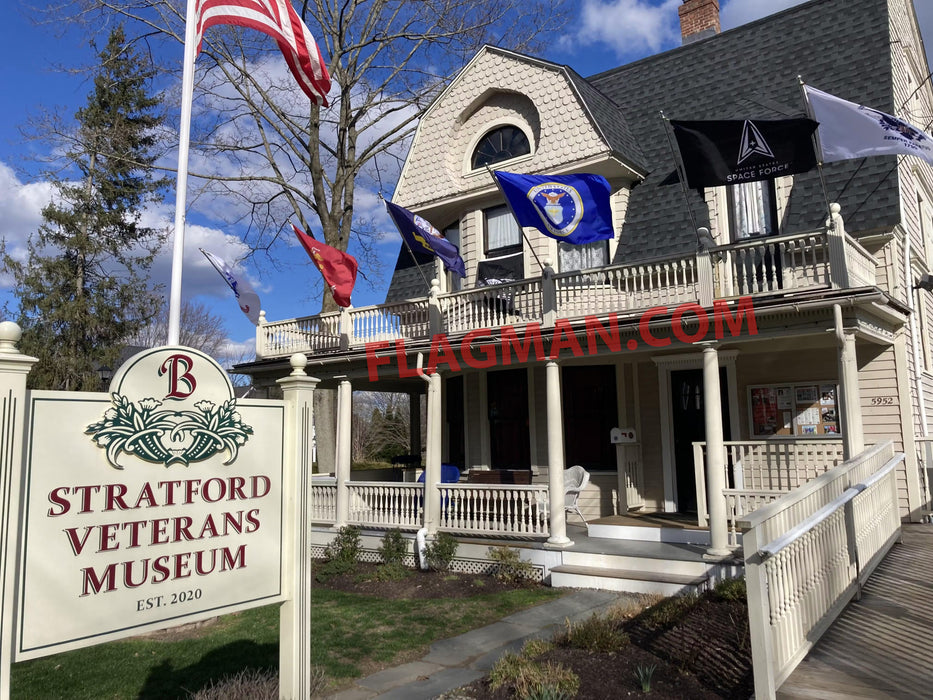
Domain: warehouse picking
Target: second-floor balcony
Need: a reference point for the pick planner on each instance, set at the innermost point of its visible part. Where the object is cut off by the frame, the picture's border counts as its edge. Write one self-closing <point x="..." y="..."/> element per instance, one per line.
<point x="766" y="266"/>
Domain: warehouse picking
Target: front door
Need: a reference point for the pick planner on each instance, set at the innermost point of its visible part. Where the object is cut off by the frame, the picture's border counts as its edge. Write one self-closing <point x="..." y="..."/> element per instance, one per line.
<point x="590" y="413"/>
<point x="507" y="396"/>
<point x="689" y="422"/>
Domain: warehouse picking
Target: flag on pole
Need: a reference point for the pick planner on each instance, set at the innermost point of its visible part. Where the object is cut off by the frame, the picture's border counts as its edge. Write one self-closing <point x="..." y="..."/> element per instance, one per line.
<point x="278" y="19"/>
<point x="246" y="298"/>
<point x="570" y="208"/>
<point x="850" y="130"/>
<point x="730" y="152"/>
<point x="337" y="267"/>
<point x="422" y="237"/>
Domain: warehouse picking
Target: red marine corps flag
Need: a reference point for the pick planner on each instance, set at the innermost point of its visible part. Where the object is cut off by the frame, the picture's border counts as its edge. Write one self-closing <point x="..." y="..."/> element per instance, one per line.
<point x="278" y="19"/>
<point x="337" y="267"/>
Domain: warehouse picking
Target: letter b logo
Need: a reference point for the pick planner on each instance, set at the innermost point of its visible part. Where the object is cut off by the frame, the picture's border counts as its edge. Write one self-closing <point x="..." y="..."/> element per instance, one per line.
<point x="181" y="382"/>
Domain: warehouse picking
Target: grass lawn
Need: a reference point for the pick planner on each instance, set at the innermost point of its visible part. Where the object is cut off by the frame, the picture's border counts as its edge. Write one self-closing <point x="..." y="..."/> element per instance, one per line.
<point x="353" y="636"/>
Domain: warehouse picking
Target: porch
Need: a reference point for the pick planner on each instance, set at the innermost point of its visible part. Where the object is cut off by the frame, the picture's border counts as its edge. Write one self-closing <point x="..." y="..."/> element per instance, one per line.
<point x="761" y="267"/>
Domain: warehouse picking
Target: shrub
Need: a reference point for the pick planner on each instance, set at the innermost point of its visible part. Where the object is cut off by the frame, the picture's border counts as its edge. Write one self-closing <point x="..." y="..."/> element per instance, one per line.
<point x="532" y="681"/>
<point x="393" y="548"/>
<point x="732" y="589"/>
<point x="596" y="633"/>
<point x="248" y="685"/>
<point x="440" y="553"/>
<point x="511" y="569"/>
<point x="668" y="612"/>
<point x="342" y="554"/>
<point x="536" y="647"/>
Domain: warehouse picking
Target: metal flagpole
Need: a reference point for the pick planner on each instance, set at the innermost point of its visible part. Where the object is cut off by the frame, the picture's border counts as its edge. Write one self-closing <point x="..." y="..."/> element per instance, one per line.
<point x="408" y="247"/>
<point x="520" y="227"/>
<point x="181" y="186"/>
<point x="815" y="137"/>
<point x="681" y="174"/>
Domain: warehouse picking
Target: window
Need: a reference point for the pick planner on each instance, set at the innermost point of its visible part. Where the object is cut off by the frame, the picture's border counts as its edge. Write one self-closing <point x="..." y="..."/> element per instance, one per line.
<point x="582" y="257"/>
<point x="752" y="209"/>
<point x="452" y="234"/>
<point x="502" y="233"/>
<point x="502" y="143"/>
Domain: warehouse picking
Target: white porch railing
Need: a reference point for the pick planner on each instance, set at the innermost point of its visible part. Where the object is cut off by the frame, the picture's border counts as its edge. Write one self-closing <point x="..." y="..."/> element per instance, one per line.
<point x="624" y="287"/>
<point x="828" y="258"/>
<point x="491" y="307"/>
<point x="758" y="466"/>
<point x="385" y="505"/>
<point x="807" y="553"/>
<point x="480" y="509"/>
<point x="324" y="501"/>
<point x="774" y="263"/>
<point x="466" y="509"/>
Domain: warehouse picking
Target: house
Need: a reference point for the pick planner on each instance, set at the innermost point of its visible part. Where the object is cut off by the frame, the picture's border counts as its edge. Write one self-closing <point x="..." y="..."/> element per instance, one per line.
<point x="732" y="340"/>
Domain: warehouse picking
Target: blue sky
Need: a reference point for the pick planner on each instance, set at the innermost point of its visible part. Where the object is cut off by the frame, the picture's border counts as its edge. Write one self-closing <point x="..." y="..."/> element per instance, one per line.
<point x="607" y="34"/>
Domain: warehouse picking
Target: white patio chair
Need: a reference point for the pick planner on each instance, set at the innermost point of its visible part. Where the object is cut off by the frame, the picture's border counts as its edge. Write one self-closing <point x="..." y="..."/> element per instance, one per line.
<point x="575" y="480"/>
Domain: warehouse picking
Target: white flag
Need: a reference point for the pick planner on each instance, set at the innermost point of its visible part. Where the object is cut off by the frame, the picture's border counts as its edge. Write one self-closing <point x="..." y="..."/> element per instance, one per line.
<point x="849" y="130"/>
<point x="247" y="299"/>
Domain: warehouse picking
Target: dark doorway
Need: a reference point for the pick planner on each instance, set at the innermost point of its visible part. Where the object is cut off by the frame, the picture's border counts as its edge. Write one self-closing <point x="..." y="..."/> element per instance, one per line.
<point x="689" y="427"/>
<point x="456" y="445"/>
<point x="507" y="400"/>
<point x="590" y="413"/>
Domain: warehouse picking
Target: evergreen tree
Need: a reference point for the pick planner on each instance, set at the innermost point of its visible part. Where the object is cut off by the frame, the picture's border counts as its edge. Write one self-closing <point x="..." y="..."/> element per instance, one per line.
<point x="82" y="289"/>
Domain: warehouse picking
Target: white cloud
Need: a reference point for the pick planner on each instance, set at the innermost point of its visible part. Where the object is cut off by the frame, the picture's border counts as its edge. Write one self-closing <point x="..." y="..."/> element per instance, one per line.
<point x="21" y="207"/>
<point x="629" y="26"/>
<point x="738" y="12"/>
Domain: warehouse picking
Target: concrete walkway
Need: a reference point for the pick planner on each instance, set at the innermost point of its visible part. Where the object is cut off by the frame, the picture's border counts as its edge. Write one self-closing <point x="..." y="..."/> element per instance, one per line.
<point x="451" y="663"/>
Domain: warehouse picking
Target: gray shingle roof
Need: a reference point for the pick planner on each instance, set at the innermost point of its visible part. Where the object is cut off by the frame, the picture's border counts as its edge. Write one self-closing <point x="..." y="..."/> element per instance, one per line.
<point x="840" y="46"/>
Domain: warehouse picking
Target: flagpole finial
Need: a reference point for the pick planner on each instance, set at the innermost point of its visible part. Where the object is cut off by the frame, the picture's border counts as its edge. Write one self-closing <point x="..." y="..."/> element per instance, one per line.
<point x="800" y="80"/>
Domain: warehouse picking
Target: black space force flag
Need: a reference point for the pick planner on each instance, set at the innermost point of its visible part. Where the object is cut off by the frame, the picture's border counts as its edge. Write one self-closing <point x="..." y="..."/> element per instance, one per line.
<point x="729" y="152"/>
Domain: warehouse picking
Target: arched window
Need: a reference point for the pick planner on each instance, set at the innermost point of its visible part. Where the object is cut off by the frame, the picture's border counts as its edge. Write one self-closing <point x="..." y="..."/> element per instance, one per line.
<point x="502" y="143"/>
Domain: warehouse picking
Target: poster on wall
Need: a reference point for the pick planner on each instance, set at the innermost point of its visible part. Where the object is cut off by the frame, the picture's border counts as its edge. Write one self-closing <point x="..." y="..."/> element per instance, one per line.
<point x="764" y="411"/>
<point x="794" y="410"/>
<point x="156" y="504"/>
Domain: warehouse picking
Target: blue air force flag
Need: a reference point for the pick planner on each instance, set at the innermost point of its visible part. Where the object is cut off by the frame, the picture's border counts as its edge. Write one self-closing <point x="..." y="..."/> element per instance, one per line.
<point x="422" y="237"/>
<point x="850" y="130"/>
<point x="571" y="208"/>
<point x="246" y="298"/>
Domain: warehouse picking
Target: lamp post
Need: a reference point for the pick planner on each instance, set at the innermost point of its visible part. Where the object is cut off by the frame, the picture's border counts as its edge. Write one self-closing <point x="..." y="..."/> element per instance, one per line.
<point x="105" y="374"/>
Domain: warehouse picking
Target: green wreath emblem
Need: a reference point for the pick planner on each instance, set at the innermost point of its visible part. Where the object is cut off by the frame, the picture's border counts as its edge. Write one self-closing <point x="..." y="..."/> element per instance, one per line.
<point x="169" y="437"/>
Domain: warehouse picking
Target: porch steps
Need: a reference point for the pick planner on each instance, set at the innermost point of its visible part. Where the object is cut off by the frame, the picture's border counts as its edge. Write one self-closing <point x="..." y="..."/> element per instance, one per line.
<point x="628" y="580"/>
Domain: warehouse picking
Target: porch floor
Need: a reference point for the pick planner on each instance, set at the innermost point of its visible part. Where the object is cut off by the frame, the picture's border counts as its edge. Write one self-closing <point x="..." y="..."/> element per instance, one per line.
<point x="584" y="543"/>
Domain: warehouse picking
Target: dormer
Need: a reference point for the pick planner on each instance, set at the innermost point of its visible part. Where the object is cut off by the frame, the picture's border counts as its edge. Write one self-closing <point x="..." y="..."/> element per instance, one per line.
<point x="510" y="112"/>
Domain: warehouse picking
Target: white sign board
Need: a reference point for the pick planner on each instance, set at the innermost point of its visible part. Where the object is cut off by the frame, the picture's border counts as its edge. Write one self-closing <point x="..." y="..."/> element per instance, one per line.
<point x="158" y="507"/>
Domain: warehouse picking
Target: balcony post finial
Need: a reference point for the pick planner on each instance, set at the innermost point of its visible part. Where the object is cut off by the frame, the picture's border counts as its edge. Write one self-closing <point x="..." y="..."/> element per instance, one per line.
<point x="435" y="318"/>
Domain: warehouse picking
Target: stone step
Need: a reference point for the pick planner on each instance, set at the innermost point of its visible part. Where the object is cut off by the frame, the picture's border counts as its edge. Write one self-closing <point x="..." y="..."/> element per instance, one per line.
<point x="629" y="580"/>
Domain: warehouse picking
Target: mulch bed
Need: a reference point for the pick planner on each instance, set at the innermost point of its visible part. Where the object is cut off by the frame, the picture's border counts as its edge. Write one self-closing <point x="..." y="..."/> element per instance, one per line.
<point x="703" y="653"/>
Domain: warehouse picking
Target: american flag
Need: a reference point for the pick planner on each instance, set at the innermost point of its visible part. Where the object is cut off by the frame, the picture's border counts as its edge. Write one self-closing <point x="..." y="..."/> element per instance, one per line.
<point x="278" y="19"/>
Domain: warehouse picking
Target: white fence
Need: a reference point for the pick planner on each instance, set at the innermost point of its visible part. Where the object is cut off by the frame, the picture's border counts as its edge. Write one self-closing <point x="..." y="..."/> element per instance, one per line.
<point x="480" y="509"/>
<point x="466" y="509"/>
<point x="807" y="554"/>
<point x="759" y="470"/>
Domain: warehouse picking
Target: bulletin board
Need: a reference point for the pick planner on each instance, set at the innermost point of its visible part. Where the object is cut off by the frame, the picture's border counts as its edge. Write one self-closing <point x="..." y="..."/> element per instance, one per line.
<point x="794" y="410"/>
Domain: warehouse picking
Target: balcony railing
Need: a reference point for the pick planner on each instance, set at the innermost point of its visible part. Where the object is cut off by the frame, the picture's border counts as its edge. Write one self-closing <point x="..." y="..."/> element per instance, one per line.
<point x="755" y="267"/>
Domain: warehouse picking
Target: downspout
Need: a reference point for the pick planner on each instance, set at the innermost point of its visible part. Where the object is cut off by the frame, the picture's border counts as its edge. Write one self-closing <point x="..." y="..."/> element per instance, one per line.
<point x="914" y="344"/>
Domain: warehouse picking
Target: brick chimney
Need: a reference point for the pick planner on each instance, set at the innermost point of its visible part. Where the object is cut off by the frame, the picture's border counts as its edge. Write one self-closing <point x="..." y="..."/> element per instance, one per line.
<point x="698" y="19"/>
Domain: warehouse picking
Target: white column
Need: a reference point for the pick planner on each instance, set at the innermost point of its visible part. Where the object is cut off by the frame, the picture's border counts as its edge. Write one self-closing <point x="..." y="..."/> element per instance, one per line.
<point x="715" y="451"/>
<point x="14" y="367"/>
<point x="295" y="613"/>
<point x="555" y="458"/>
<point x="342" y="468"/>
<point x="432" y="458"/>
<point x="853" y="439"/>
